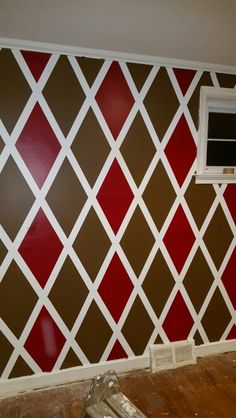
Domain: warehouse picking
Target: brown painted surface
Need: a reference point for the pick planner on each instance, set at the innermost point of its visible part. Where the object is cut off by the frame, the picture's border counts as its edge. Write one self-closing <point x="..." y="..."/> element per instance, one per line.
<point x="71" y="360"/>
<point x="159" y="195"/>
<point x="92" y="244"/>
<point x="138" y="327"/>
<point x="226" y="80"/>
<point x="3" y="252"/>
<point x="94" y="332"/>
<point x="216" y="317"/>
<point x="15" y="193"/>
<point x="66" y="197"/>
<point x="197" y="338"/>
<point x="90" y="68"/>
<point x="17" y="299"/>
<point x="198" y="280"/>
<point x="137" y="241"/>
<point x="199" y="198"/>
<point x="138" y="149"/>
<point x="20" y="368"/>
<point x="5" y="350"/>
<point x="2" y="144"/>
<point x="64" y="94"/>
<point x="218" y="237"/>
<point x="68" y="293"/>
<point x="158" y="283"/>
<point x="193" y="103"/>
<point x="15" y="91"/>
<point x="90" y="147"/>
<point x="139" y="73"/>
<point x="161" y="102"/>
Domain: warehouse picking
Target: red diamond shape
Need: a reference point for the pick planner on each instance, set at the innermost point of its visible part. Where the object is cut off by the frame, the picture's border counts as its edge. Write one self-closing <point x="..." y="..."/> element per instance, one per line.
<point x="41" y="248"/>
<point x="117" y="352"/>
<point x="184" y="78"/>
<point x="178" y="322"/>
<point x="115" y="196"/>
<point x="230" y="198"/>
<point x="45" y="341"/>
<point x="232" y="334"/>
<point x="36" y="62"/>
<point x="181" y="150"/>
<point x="229" y="278"/>
<point x="115" y="288"/>
<point x="38" y="145"/>
<point x="115" y="99"/>
<point x="179" y="239"/>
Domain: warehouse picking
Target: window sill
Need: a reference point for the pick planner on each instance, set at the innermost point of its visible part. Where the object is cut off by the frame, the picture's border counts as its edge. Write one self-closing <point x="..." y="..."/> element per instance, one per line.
<point x="215" y="178"/>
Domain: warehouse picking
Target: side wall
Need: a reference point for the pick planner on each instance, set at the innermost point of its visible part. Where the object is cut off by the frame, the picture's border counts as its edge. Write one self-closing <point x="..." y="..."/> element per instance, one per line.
<point x="107" y="244"/>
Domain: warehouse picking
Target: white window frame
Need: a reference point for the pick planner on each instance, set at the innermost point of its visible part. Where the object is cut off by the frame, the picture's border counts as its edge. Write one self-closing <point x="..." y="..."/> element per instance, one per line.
<point x="212" y="99"/>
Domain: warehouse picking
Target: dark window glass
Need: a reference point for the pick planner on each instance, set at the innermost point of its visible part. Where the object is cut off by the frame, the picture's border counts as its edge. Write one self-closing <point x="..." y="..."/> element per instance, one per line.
<point x="222" y="125"/>
<point x="221" y="153"/>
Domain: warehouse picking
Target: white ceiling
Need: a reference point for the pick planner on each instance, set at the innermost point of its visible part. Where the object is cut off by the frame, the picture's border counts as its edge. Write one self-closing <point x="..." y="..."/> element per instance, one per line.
<point x="197" y="30"/>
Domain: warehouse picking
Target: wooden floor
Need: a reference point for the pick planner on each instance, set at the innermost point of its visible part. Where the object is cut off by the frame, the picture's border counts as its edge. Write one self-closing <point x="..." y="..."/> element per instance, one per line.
<point x="207" y="390"/>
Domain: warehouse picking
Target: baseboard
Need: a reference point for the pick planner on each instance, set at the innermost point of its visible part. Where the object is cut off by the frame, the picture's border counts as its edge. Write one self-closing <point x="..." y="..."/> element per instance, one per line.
<point x="75" y="374"/>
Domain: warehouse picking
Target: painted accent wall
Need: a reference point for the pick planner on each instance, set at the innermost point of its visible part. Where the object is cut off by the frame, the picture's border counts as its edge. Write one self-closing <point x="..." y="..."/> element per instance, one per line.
<point x="107" y="244"/>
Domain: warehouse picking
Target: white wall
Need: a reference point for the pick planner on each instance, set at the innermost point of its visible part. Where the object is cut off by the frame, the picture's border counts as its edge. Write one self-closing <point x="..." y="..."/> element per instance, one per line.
<point x="199" y="30"/>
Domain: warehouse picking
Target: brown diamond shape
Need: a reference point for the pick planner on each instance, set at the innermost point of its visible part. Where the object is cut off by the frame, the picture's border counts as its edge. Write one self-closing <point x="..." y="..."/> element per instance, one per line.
<point x="2" y="144"/>
<point x="226" y="80"/>
<point x="197" y="338"/>
<point x="161" y="102"/>
<point x="94" y="334"/>
<point x="90" y="147"/>
<point x="138" y="327"/>
<point x="199" y="198"/>
<point x="71" y="360"/>
<point x="218" y="237"/>
<point x="90" y="68"/>
<point x="92" y="244"/>
<point x="216" y="317"/>
<point x="3" y="252"/>
<point x="64" y="94"/>
<point x="159" y="184"/>
<point x="193" y="103"/>
<point x="158" y="283"/>
<point x="66" y="197"/>
<point x="17" y="299"/>
<point x="198" y="280"/>
<point x="14" y="193"/>
<point x="138" y="149"/>
<point x="14" y="88"/>
<point x="21" y="368"/>
<point x="68" y="293"/>
<point x="6" y="350"/>
<point x="139" y="73"/>
<point x="137" y="241"/>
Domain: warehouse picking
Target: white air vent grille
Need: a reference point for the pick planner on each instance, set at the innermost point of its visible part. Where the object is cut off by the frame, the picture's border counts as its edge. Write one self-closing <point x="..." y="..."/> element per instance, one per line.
<point x="172" y="355"/>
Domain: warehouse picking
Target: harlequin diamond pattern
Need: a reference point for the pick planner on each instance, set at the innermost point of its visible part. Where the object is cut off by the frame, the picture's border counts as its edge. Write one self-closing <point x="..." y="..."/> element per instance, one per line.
<point x="102" y="237"/>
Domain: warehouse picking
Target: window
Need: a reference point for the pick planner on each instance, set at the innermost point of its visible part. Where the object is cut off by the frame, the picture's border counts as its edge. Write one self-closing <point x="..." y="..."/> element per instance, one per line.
<point x="216" y="157"/>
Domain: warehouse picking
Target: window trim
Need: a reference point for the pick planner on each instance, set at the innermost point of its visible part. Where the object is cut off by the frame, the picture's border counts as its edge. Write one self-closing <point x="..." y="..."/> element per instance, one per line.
<point x="222" y="99"/>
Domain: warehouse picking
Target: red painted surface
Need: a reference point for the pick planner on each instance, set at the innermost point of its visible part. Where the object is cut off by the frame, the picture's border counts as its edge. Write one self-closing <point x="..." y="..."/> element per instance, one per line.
<point x="38" y="145"/>
<point x="117" y="352"/>
<point x="230" y="198"/>
<point x="232" y="334"/>
<point x="179" y="239"/>
<point x="184" y="78"/>
<point x="45" y="341"/>
<point x="41" y="248"/>
<point x="36" y="62"/>
<point x="115" y="99"/>
<point x="181" y="150"/>
<point x="178" y="322"/>
<point x="115" y="196"/>
<point x="115" y="288"/>
<point x="229" y="278"/>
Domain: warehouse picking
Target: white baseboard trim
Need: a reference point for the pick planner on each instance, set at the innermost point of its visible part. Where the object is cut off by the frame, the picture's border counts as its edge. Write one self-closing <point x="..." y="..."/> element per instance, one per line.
<point x="43" y="380"/>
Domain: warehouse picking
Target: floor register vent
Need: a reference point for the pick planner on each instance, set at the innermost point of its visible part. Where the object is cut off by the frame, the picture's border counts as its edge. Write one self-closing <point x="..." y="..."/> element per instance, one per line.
<point x="172" y="355"/>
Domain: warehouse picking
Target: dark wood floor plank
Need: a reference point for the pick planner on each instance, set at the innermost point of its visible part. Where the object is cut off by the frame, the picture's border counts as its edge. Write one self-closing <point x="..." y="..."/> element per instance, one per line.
<point x="205" y="390"/>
